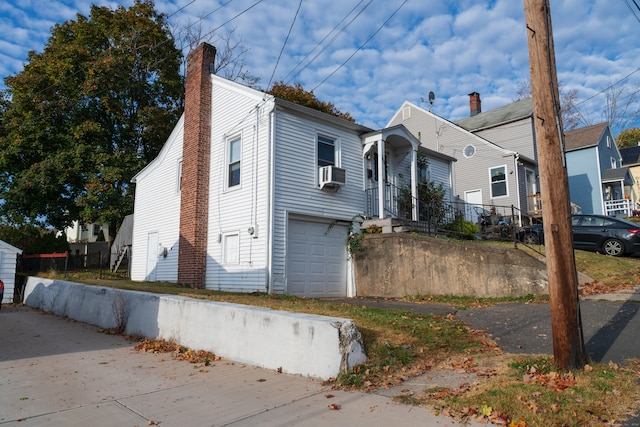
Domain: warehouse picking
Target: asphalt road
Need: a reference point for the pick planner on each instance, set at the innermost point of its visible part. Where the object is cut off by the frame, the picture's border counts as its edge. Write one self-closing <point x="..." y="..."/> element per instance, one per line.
<point x="609" y="327"/>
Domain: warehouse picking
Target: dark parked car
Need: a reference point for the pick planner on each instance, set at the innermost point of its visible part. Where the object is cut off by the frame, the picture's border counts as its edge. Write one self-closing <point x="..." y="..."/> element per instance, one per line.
<point x="598" y="233"/>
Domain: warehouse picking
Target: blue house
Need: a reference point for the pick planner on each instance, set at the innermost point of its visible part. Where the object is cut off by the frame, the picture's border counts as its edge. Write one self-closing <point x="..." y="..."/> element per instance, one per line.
<point x="598" y="183"/>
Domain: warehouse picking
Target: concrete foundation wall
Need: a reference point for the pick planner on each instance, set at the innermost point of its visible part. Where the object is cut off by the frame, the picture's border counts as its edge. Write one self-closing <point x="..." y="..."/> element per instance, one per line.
<point x="397" y="265"/>
<point x="303" y="344"/>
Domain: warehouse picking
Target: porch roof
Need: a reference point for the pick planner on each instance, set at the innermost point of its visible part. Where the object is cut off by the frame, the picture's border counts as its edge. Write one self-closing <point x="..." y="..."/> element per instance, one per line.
<point x="618" y="174"/>
<point x="400" y="134"/>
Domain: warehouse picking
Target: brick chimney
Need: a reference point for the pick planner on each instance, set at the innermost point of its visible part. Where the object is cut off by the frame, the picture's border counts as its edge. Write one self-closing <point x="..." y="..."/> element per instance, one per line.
<point x="474" y="104"/>
<point x="196" y="149"/>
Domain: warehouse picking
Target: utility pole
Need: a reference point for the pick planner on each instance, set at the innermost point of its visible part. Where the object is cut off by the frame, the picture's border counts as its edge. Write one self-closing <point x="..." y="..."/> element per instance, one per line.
<point x="566" y="325"/>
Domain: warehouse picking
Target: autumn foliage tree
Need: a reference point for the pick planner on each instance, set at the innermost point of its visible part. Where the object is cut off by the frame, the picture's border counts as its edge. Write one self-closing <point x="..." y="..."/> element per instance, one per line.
<point x="296" y="93"/>
<point x="628" y="138"/>
<point x="86" y="114"/>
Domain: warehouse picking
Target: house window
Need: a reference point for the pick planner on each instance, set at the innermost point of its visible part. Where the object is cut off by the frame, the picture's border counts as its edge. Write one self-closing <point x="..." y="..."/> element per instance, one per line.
<point x="231" y="249"/>
<point x="469" y="151"/>
<point x="498" y="177"/>
<point x="423" y="172"/>
<point x="614" y="163"/>
<point x="608" y="141"/>
<point x="326" y="151"/>
<point x="96" y="229"/>
<point x="235" y="152"/>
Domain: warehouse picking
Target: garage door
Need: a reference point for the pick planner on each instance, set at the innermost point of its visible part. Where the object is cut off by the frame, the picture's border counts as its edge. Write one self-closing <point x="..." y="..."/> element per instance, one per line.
<point x="316" y="259"/>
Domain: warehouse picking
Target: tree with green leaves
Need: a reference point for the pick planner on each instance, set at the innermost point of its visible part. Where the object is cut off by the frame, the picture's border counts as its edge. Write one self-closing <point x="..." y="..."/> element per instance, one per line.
<point x="298" y="95"/>
<point x="628" y="138"/>
<point x="86" y="114"/>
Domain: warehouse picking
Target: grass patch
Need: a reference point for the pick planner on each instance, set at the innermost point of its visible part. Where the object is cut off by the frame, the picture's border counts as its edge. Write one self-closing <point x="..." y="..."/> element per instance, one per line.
<point x="609" y="273"/>
<point x="531" y="392"/>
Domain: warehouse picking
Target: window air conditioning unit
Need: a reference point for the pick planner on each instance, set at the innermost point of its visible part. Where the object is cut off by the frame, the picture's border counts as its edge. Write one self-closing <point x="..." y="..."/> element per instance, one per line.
<point x="332" y="177"/>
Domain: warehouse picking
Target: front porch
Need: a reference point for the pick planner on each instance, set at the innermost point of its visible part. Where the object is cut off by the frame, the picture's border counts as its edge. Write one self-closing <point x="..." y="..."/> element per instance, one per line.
<point x="618" y="193"/>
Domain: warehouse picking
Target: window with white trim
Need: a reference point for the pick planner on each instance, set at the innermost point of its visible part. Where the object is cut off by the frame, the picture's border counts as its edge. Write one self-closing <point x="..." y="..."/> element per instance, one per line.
<point x="614" y="163"/>
<point x="233" y="161"/>
<point x="498" y="178"/>
<point x="231" y="248"/>
<point x="326" y="151"/>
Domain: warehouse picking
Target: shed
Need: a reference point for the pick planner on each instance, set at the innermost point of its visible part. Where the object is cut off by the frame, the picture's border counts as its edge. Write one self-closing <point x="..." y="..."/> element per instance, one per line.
<point x="8" y="261"/>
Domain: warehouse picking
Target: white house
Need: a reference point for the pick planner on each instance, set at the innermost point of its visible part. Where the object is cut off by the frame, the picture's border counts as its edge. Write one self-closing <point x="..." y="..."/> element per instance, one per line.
<point x="78" y="232"/>
<point x="8" y="261"/>
<point x="252" y="193"/>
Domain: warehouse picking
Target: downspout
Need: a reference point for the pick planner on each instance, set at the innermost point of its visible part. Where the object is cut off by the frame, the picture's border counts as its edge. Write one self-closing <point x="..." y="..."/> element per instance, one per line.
<point x="516" y="159"/>
<point x="270" y="197"/>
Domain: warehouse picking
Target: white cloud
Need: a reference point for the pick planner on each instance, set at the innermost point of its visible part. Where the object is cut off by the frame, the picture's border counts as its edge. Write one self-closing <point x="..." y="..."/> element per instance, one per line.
<point x="452" y="48"/>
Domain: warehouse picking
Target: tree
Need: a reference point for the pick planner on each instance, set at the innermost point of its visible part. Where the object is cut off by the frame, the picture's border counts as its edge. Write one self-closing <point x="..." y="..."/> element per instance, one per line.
<point x="300" y="96"/>
<point x="628" y="138"/>
<point x="86" y="114"/>
<point x="621" y="108"/>
<point x="571" y="116"/>
<point x="34" y="240"/>
<point x="230" y="53"/>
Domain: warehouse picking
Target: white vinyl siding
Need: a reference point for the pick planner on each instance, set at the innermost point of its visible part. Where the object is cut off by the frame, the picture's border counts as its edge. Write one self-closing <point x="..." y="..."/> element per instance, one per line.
<point x="8" y="263"/>
<point x="295" y="184"/>
<point x="157" y="210"/>
<point x="236" y="259"/>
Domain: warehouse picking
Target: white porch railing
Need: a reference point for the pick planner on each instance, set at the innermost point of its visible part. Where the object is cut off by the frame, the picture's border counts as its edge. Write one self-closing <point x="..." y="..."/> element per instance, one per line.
<point x="619" y="207"/>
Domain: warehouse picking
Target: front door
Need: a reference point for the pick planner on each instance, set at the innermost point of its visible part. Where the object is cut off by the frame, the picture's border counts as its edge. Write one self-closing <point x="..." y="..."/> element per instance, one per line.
<point x="473" y="208"/>
<point x="152" y="257"/>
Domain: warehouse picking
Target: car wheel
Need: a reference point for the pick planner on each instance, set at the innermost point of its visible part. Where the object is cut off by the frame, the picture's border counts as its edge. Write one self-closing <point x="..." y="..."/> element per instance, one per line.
<point x="530" y="239"/>
<point x="613" y="247"/>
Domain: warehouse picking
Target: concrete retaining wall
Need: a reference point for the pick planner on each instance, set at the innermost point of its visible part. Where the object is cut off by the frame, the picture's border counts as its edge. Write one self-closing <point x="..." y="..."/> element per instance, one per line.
<point x="303" y="344"/>
<point x="401" y="264"/>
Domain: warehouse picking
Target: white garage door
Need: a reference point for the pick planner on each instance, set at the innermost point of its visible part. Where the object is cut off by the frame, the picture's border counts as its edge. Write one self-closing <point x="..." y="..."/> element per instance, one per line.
<point x="316" y="259"/>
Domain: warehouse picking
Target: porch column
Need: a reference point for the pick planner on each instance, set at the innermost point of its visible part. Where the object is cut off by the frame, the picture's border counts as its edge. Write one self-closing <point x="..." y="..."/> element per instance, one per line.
<point x="414" y="184"/>
<point x="382" y="174"/>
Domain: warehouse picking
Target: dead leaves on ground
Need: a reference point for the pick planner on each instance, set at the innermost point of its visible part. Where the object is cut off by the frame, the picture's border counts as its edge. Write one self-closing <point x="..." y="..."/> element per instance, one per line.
<point x="178" y="351"/>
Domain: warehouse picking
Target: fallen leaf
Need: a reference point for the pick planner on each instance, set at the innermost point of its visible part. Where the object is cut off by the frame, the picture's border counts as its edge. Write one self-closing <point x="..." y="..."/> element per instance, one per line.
<point x="334" y="407"/>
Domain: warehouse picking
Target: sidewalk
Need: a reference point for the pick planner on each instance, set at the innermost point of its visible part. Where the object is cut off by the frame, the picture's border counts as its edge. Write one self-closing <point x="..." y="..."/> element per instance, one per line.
<point x="57" y="372"/>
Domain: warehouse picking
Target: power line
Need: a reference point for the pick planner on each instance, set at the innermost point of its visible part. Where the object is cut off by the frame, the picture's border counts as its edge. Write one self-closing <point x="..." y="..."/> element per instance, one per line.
<point x="631" y="8"/>
<point x="284" y="44"/>
<point x="361" y="46"/>
<point x="296" y="73"/>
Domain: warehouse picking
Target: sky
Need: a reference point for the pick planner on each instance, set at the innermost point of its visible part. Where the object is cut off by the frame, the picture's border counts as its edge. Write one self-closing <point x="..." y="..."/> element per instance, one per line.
<point x="369" y="56"/>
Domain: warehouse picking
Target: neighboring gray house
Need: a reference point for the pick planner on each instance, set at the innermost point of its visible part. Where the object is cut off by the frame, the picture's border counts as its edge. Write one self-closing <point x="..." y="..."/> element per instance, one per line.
<point x="8" y="262"/>
<point x="487" y="174"/>
<point x="598" y="182"/>
<point x="252" y="193"/>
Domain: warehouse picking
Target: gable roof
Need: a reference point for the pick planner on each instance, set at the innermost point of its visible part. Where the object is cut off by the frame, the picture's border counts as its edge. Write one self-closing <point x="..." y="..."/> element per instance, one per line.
<point x="509" y="113"/>
<point x="453" y="125"/>
<point x="4" y="245"/>
<point x="630" y="155"/>
<point x="585" y="137"/>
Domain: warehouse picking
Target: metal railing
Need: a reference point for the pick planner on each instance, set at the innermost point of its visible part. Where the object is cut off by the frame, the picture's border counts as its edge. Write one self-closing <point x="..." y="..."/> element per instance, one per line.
<point x="494" y="222"/>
